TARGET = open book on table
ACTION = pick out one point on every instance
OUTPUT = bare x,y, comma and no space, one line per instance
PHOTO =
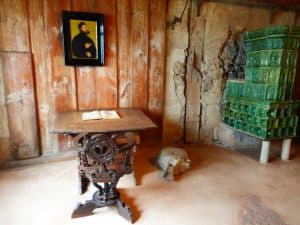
100,115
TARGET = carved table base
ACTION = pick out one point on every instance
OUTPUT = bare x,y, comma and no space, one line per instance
89,206
103,159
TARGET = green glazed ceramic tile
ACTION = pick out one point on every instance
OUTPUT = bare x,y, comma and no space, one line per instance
262,119
272,58
273,31
261,105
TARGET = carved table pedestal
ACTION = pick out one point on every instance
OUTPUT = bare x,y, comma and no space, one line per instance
105,150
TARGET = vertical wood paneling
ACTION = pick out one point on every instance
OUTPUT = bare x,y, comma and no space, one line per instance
86,88
61,80
86,76
97,87
5,155
14,26
134,59
297,18
156,59
124,53
37,39
107,77
139,52
19,93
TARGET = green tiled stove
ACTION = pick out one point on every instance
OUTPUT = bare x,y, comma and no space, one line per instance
262,105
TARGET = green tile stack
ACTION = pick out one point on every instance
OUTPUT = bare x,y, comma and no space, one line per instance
262,105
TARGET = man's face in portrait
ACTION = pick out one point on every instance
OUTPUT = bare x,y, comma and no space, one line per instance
84,29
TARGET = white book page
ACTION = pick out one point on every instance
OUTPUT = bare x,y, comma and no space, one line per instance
109,114
93,115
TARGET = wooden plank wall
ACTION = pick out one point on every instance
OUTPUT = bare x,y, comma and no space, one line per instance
14,26
97,86
20,101
132,75
156,62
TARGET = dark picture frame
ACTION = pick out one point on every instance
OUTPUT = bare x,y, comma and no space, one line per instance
83,38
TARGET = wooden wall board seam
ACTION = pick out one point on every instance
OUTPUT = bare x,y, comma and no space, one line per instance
36,16
140,41
124,50
156,55
20,99
15,51
13,26
39,135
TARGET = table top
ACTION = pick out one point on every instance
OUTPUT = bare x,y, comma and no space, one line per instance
131,119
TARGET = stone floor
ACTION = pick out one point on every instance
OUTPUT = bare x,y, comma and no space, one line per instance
221,188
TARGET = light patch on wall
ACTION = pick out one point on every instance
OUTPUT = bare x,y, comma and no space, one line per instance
4,131
17,96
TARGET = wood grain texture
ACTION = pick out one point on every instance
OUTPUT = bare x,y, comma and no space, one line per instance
107,77
124,53
5,154
97,86
20,100
130,120
86,75
38,39
156,60
283,17
14,26
61,79
139,52
297,18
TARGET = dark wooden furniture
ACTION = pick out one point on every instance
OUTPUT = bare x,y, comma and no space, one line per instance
105,154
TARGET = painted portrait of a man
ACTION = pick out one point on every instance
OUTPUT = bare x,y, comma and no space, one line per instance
83,36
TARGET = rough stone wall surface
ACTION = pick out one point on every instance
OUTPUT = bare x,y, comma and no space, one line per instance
220,19
177,44
233,56
194,76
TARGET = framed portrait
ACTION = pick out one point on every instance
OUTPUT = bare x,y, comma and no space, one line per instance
83,38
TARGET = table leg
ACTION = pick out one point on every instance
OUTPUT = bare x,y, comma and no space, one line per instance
285,151
102,161
264,153
105,196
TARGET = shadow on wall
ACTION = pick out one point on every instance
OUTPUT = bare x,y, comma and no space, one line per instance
233,55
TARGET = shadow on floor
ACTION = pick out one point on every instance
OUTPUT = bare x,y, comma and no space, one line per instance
142,165
275,151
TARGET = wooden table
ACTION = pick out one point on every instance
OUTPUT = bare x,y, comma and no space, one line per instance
105,154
